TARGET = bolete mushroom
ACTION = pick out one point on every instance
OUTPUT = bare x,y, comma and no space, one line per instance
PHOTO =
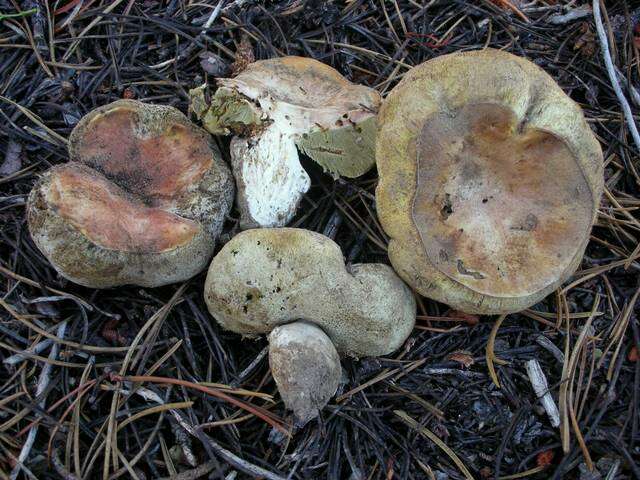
305,366
141,201
490,180
263,278
275,105
294,284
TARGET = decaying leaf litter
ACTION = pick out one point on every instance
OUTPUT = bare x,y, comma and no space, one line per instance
146,377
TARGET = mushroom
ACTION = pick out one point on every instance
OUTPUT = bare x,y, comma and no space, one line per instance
294,284
141,201
275,105
263,278
305,366
490,180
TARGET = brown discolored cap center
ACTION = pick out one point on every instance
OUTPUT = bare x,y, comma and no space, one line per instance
499,208
149,157
110,216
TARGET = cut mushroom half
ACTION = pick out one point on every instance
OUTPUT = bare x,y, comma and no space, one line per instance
275,108
142,200
490,180
305,366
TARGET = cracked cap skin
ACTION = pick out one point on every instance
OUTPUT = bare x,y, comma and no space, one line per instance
490,180
141,201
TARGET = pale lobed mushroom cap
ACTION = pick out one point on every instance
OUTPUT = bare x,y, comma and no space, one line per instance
305,366
263,278
142,200
275,105
490,180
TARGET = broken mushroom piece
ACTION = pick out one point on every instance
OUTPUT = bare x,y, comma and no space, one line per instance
490,180
305,366
275,105
142,200
263,278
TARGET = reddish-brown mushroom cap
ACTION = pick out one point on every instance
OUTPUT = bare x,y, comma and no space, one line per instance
490,180
87,200
142,200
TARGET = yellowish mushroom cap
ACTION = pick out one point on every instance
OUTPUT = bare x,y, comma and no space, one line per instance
490,180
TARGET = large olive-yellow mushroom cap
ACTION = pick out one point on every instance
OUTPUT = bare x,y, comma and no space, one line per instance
490,180
276,105
263,278
141,201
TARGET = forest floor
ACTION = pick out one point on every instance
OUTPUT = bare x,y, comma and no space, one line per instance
60,59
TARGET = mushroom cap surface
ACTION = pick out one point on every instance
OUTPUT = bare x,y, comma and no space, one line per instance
263,278
275,107
141,201
305,366
490,180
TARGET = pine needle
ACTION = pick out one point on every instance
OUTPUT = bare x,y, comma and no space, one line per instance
490,355
425,432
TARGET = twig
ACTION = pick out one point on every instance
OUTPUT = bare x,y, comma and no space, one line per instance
541,387
613,77
19,357
226,455
43,383
548,345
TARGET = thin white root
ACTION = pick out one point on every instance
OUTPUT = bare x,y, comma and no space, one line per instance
541,388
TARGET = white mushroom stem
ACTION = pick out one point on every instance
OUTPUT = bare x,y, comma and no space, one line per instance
541,389
270,179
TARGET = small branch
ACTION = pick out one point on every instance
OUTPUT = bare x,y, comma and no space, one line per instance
43,383
36,349
541,388
226,455
613,77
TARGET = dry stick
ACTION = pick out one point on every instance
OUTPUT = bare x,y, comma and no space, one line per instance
43,383
613,77
541,388
28,281
225,454
56,405
79,346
